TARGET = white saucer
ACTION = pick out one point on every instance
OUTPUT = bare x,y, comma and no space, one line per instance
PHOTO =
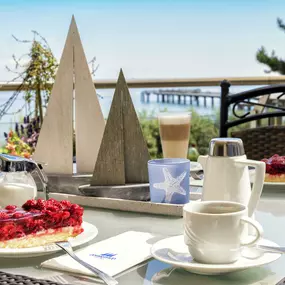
195,166
173,251
89,233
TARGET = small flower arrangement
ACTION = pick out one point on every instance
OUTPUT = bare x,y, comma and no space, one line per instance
16,146
23,140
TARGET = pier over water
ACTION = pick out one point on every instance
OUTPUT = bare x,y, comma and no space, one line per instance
179,96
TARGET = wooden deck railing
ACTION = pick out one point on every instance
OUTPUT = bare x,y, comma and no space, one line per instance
175,82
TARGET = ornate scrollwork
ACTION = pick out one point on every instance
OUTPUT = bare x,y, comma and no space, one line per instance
280,95
275,108
250,103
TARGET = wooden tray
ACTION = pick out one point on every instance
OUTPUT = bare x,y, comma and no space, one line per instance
128,205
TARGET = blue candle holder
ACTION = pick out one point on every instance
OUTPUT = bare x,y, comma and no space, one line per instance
169,180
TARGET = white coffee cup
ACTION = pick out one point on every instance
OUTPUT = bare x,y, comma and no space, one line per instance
213,230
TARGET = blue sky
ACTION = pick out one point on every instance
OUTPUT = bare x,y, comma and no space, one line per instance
151,39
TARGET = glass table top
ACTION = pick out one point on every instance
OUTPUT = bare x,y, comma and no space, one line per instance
270,213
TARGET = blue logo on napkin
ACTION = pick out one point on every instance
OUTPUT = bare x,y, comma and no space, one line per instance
111,256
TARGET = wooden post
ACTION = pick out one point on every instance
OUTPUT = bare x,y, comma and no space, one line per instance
197,100
142,96
147,97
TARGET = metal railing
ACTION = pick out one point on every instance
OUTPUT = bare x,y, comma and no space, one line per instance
174,82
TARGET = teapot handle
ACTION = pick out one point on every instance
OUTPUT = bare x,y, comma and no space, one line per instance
257,184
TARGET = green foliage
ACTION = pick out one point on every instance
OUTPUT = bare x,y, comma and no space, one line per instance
150,129
40,73
203,129
274,63
37,70
231,118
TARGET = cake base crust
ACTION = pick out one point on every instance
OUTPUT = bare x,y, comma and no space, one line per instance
42,238
274,177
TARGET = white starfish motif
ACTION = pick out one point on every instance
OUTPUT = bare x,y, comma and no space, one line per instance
171,185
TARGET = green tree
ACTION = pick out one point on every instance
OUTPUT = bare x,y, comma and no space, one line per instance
273,62
36,70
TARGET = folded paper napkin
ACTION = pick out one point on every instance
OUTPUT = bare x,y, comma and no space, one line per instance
113,255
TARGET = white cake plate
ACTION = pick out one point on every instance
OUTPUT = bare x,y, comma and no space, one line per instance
89,233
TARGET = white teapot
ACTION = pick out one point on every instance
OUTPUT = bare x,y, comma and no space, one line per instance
226,174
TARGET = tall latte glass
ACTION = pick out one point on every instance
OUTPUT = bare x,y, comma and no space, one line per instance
174,131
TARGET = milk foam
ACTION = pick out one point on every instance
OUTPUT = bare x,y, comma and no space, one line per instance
177,119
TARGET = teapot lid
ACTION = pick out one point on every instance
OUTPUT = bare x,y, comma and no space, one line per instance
227,147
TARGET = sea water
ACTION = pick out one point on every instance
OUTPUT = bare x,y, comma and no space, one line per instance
105,97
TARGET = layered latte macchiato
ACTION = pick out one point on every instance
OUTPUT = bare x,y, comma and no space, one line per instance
174,132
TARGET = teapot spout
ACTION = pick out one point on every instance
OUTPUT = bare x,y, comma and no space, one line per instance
202,159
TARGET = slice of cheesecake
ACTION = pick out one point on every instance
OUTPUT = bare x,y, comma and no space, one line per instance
39,222
275,168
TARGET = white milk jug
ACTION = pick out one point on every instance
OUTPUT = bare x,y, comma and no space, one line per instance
226,174
17,185
16,188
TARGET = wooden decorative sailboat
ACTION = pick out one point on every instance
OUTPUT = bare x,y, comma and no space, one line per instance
121,167
73,84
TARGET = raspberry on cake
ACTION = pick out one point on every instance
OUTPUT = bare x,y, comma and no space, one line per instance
39,222
275,168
